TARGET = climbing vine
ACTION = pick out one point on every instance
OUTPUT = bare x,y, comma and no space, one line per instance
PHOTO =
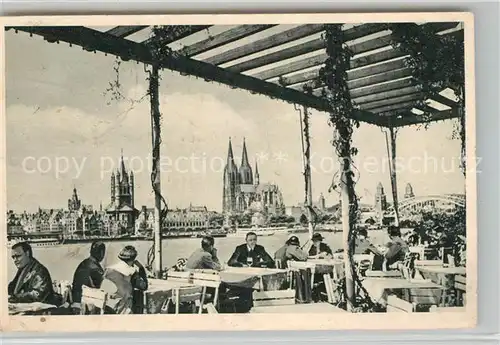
334,76
437,62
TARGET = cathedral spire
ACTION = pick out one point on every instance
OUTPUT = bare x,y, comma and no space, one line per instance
230,156
122,165
257,177
246,175
244,155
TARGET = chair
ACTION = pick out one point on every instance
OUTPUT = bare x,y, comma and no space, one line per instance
183,295
63,287
92,297
211,309
461,288
273,298
396,304
428,263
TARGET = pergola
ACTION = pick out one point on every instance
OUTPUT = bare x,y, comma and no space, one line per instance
277,65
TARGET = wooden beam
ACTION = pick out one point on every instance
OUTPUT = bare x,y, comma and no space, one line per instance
409,118
378,88
390,101
186,30
394,107
321,58
266,43
444,100
385,95
124,31
380,78
311,46
351,74
223,38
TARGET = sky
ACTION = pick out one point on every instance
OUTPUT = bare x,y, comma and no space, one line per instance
65,131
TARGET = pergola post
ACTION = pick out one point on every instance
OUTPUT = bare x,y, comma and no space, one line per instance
156,175
306,152
391,152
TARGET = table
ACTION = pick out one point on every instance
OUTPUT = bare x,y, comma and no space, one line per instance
158,292
34,308
444,276
310,308
380,288
384,274
257,278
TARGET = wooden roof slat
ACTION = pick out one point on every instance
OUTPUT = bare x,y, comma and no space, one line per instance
266,43
352,75
444,100
379,78
375,89
320,59
394,107
410,118
124,31
390,101
386,95
311,46
226,37
187,30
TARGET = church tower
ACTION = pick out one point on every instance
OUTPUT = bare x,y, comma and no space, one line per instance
380,198
246,175
257,177
230,183
409,191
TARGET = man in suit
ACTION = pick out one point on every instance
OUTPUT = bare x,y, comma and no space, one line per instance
32,282
89,272
251,254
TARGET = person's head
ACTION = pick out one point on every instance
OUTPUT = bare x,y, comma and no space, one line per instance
98,250
207,243
251,239
362,234
22,254
317,239
128,255
293,241
394,231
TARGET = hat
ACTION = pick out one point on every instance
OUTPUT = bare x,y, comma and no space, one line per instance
294,240
317,237
128,253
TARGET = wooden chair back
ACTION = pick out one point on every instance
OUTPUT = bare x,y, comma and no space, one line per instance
211,309
461,288
92,298
63,287
206,280
191,294
273,298
396,304
428,263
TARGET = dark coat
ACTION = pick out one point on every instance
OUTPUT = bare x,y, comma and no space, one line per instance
140,284
32,284
323,248
89,273
260,257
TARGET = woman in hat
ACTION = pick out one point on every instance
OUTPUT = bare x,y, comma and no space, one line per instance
319,250
121,279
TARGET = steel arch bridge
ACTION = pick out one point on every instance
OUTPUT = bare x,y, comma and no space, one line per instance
446,201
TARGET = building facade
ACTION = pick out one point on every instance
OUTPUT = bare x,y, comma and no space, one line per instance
380,199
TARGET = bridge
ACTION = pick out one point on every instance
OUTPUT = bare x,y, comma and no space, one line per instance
446,202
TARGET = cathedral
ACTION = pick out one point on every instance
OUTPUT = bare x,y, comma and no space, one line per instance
121,209
243,192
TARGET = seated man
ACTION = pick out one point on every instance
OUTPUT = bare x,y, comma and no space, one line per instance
204,257
290,251
89,272
32,282
320,250
396,248
250,254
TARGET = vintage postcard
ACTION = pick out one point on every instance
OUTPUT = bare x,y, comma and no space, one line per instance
207,172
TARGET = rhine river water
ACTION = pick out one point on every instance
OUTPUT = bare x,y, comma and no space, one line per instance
62,260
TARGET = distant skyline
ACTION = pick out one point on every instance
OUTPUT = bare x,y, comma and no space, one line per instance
56,107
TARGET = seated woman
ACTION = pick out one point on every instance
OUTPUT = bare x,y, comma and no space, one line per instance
120,280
